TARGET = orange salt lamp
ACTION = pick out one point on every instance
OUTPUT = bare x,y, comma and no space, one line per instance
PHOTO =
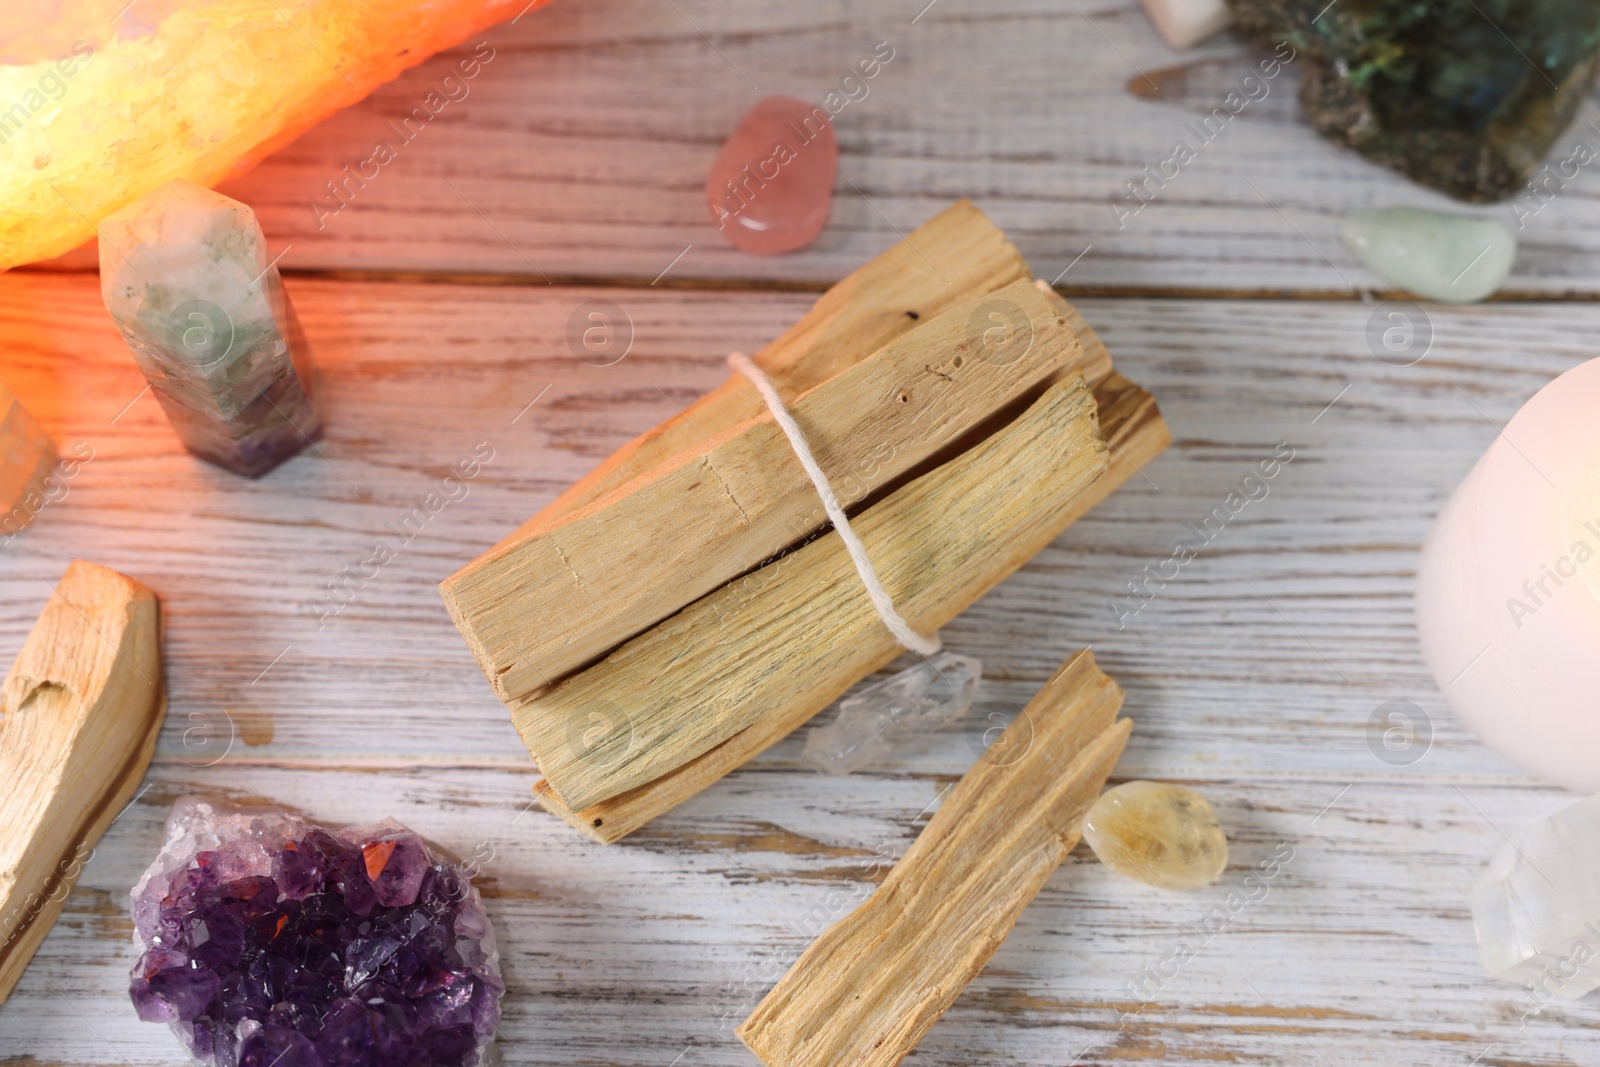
103,101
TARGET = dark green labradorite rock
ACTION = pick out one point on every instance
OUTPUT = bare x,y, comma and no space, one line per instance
1465,96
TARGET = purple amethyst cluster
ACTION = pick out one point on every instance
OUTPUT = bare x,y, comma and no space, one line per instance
269,942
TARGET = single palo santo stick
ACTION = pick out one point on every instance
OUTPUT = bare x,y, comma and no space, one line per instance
866,991
1134,429
81,708
950,259
536,610
804,633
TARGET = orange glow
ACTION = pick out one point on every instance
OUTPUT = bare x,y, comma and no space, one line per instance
27,456
102,101
377,854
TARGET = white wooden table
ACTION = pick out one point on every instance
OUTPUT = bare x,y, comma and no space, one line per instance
437,303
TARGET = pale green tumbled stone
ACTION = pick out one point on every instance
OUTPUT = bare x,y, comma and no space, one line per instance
1454,259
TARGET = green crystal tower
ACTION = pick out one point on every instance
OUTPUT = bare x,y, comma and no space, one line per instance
185,275
1465,96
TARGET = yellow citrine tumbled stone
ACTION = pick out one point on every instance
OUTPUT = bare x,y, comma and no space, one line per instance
1166,835
103,101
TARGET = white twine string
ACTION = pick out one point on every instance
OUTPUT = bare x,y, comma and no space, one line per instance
858,552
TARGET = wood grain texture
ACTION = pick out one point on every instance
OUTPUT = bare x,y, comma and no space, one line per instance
732,501
1134,435
803,631
1253,677
80,710
568,157
949,259
867,990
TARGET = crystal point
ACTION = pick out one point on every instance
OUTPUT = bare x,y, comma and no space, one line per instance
771,185
884,714
1451,258
187,278
1165,835
1536,909
347,968
27,456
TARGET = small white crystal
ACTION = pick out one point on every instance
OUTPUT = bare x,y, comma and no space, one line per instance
1185,23
1537,908
887,713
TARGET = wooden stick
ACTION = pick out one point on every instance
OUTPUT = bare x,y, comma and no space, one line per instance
1136,433
867,990
82,706
805,631
535,610
953,257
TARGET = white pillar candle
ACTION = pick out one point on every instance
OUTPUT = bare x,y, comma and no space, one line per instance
1508,589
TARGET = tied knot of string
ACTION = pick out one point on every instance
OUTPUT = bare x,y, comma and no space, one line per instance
881,600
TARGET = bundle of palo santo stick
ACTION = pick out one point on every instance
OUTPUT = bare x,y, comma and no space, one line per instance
682,608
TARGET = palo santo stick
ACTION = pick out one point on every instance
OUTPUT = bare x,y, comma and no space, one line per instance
635,556
806,632
81,706
866,991
1134,429
950,259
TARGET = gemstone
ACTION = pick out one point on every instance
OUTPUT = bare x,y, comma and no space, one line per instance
771,185
1166,835
888,713
1452,258
265,940
1464,96
187,279
105,105
1185,23
27,456
1536,909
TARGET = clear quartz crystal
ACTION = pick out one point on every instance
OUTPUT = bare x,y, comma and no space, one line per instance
1537,908
27,456
187,278
890,712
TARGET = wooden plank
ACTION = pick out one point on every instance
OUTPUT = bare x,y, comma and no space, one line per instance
1253,676
796,638
869,988
1360,949
1332,548
566,159
739,498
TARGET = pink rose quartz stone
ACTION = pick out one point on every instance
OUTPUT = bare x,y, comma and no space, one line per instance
771,185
